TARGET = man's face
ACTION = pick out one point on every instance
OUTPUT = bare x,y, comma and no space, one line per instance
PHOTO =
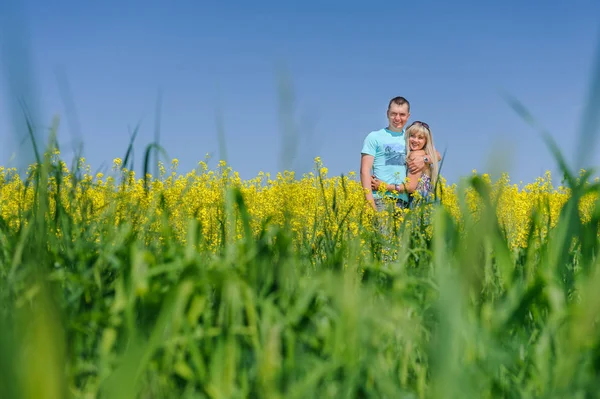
397,116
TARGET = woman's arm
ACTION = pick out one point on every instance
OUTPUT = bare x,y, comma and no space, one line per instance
410,187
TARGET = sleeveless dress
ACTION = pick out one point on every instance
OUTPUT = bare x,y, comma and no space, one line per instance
424,188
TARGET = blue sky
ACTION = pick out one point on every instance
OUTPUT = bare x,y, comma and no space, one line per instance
320,71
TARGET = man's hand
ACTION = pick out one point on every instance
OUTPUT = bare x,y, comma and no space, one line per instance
372,203
416,163
375,183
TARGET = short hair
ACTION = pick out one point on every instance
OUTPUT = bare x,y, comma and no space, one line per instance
399,101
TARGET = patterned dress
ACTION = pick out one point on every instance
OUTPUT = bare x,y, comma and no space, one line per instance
424,188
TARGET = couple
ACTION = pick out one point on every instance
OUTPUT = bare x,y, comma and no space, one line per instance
394,154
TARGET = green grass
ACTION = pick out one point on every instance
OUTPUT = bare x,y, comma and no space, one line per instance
135,315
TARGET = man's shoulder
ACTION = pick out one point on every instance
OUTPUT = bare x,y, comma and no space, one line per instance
373,141
376,133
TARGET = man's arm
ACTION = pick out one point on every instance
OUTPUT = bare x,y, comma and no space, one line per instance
366,164
416,163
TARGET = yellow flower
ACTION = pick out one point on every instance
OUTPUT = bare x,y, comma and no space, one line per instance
306,201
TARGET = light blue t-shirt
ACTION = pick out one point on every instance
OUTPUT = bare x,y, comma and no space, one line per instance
389,165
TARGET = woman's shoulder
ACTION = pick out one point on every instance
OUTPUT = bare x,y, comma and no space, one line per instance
417,153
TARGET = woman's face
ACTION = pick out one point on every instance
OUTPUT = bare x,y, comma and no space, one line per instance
417,141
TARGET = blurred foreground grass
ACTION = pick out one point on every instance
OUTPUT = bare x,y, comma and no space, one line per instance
207,286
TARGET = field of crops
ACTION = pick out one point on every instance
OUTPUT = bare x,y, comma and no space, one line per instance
204,285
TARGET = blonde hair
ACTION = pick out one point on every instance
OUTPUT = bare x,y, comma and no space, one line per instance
419,127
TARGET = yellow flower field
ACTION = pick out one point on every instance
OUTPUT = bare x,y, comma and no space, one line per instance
310,202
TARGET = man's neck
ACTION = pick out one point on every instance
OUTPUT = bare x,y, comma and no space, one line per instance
391,129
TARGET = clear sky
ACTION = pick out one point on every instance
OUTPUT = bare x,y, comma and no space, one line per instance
291,80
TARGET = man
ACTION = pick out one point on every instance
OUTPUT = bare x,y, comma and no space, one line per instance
384,153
